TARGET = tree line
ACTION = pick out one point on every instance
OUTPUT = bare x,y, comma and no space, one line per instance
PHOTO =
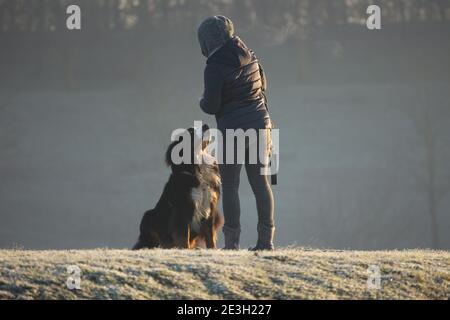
299,15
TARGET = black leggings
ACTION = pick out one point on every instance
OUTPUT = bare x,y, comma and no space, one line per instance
230,174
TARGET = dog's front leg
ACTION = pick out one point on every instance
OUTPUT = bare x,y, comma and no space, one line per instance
210,234
181,238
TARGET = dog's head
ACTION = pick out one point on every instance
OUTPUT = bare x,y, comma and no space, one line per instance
195,140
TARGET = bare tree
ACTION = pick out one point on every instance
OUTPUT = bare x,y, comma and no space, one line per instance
430,115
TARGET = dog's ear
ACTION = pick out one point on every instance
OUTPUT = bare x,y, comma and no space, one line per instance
169,161
191,136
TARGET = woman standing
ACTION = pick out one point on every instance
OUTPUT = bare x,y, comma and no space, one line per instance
234,92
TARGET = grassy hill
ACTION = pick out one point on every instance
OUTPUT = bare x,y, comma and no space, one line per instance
206,274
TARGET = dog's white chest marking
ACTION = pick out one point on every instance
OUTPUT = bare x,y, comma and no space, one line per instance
201,197
204,195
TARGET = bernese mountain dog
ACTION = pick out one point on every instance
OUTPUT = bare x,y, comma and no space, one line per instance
186,215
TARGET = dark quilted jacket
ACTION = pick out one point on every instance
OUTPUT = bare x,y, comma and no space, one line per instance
234,87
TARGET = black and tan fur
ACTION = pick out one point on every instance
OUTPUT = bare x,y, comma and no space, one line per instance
186,215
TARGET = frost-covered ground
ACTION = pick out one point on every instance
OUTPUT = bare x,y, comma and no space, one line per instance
214,274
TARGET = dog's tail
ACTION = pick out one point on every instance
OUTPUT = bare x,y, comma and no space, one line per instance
137,246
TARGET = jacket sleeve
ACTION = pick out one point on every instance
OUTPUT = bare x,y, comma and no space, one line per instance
212,94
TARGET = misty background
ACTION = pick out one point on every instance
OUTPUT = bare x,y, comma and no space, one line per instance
364,118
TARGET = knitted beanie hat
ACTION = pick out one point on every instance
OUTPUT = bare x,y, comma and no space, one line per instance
213,32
